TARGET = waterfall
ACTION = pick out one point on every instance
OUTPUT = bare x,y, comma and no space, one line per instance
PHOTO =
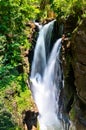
38,25
47,80
40,54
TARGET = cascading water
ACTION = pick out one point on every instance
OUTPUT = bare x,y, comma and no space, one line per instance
40,54
46,80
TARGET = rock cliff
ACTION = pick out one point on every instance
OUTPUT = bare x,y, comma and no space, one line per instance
74,67
74,64
78,49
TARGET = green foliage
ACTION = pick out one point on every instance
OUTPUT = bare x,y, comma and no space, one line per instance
14,95
24,101
63,8
6,120
72,114
13,89
13,15
13,101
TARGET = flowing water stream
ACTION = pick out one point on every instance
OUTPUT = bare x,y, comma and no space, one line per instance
47,80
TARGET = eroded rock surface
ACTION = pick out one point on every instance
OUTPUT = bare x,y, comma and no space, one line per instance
78,44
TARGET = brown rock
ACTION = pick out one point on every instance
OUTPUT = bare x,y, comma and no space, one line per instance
78,45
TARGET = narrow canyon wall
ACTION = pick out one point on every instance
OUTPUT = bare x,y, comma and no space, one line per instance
74,64
78,49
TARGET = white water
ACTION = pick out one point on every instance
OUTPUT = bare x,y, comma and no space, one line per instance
39,60
46,78
38,25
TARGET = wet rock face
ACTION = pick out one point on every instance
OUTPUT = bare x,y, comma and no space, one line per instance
30,119
78,44
79,60
70,23
74,68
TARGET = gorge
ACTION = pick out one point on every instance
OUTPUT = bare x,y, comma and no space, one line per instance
55,32
74,99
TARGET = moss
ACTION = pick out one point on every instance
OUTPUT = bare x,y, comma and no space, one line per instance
6,121
72,114
38,127
15,98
